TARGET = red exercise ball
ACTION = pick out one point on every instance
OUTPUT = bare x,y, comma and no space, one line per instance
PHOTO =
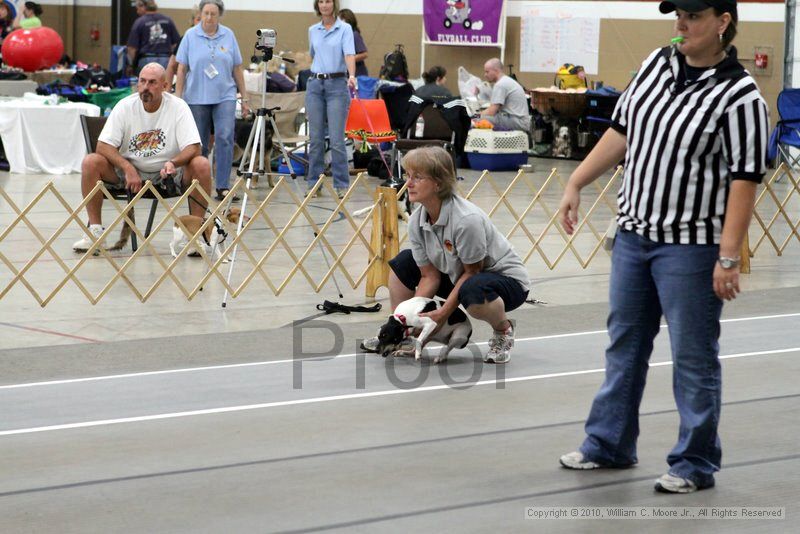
33,49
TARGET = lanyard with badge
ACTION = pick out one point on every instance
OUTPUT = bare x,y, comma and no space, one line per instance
210,70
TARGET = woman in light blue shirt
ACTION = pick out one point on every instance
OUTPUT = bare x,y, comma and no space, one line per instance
327,94
209,73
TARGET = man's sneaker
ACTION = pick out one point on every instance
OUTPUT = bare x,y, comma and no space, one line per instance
85,244
576,460
371,345
669,483
317,194
340,191
500,345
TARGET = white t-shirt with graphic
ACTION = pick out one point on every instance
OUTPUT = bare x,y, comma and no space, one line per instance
149,140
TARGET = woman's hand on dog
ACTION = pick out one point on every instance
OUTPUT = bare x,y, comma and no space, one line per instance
439,315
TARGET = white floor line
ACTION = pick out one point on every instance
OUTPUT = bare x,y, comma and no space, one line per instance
315,400
325,358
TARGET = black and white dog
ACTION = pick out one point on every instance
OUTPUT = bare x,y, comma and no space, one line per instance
406,319
562,144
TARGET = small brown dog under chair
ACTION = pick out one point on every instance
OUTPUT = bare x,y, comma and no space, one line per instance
213,236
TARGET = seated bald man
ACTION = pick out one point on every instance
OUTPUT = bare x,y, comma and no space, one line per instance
508,107
150,135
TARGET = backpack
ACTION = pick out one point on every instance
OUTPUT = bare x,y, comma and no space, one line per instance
377,168
395,66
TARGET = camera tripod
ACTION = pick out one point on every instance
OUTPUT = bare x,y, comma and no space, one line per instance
256,148
256,145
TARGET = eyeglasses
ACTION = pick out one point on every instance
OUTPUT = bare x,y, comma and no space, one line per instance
417,177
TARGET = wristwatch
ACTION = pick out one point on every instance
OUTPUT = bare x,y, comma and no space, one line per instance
728,263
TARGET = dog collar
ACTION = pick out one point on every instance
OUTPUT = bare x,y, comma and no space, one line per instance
402,319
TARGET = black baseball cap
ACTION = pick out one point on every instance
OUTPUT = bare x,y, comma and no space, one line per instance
693,6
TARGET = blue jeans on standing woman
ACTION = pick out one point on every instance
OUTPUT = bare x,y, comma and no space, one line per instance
327,105
223,116
648,279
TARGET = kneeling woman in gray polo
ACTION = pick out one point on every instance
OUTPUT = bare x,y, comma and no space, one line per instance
456,253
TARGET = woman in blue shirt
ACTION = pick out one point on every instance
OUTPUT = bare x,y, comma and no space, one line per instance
327,94
349,17
209,73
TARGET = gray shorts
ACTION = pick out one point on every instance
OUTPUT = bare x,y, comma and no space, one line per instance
510,122
155,178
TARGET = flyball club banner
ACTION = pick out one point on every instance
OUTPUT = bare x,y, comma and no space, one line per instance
462,22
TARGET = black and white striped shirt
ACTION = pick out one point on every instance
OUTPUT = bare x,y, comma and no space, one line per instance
686,140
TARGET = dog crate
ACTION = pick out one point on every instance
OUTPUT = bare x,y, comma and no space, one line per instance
496,151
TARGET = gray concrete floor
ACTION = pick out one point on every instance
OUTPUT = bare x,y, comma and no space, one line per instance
176,416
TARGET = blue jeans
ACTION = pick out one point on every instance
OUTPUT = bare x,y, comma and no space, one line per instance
648,278
327,105
223,116
161,60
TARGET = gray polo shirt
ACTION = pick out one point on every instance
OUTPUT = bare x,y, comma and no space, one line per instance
463,234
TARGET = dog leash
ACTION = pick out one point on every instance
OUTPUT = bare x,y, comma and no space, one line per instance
334,307
354,95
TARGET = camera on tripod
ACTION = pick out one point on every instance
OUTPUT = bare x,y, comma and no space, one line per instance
267,38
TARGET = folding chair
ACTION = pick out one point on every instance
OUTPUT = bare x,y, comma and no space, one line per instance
435,132
92,127
396,97
787,132
368,121
288,120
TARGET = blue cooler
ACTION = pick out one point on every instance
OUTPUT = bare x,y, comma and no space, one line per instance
298,167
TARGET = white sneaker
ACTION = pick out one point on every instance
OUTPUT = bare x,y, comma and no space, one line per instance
669,483
576,460
500,345
371,344
340,192
85,244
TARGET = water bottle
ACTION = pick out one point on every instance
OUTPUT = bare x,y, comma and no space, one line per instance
282,68
420,128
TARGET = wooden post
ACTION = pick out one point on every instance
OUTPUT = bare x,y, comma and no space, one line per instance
384,239
744,266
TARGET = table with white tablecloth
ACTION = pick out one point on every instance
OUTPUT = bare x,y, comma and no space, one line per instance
42,138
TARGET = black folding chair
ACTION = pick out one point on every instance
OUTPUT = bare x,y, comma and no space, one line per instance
436,132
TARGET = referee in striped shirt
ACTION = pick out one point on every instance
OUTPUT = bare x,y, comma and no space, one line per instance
692,127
